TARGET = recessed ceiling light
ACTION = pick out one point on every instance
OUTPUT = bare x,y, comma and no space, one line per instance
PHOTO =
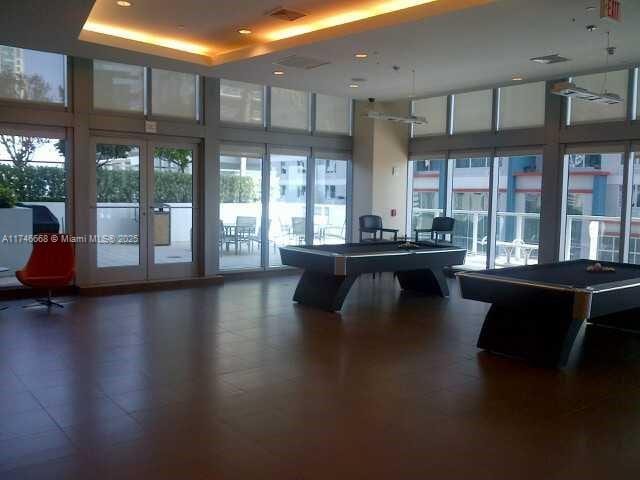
278,72
354,85
591,28
517,78
245,31
123,3
361,55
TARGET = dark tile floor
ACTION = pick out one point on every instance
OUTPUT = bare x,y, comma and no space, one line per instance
237,382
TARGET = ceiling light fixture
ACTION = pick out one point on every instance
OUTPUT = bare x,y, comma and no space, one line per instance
517,78
245,31
278,73
354,85
361,55
149,38
123,3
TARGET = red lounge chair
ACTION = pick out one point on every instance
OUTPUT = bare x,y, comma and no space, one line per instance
51,265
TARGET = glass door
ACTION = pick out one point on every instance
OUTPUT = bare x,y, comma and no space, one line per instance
172,213
144,215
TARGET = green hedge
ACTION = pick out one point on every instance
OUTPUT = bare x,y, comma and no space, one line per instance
47,184
35,184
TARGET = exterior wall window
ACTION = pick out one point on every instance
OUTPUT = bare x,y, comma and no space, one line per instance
174,94
333,114
470,209
426,197
32,76
591,112
472,111
241,102
518,210
32,172
289,109
118,87
521,106
593,205
435,111
330,212
240,207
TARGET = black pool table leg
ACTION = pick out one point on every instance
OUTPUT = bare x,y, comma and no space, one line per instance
424,281
543,337
323,290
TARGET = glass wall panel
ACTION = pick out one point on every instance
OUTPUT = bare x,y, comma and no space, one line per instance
634,233
289,109
518,210
32,173
32,76
435,110
522,106
594,205
241,102
470,208
172,214
118,204
333,114
472,111
174,94
287,202
427,179
118,87
240,239
330,208
589,112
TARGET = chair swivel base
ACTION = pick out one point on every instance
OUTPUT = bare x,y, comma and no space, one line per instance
44,302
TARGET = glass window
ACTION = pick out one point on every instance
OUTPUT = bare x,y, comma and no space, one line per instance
594,206
518,210
32,172
583,111
241,102
522,106
287,202
472,111
174,94
470,210
634,237
289,109
428,189
118,87
333,114
240,239
32,76
435,111
330,209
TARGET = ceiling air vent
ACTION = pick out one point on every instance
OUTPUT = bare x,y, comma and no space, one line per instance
286,14
549,59
304,63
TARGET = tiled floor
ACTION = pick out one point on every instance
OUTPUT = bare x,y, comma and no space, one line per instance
236,382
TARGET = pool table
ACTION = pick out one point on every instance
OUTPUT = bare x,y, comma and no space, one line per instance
330,270
537,311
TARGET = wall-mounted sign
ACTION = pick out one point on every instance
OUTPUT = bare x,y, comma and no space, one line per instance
150,127
611,10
